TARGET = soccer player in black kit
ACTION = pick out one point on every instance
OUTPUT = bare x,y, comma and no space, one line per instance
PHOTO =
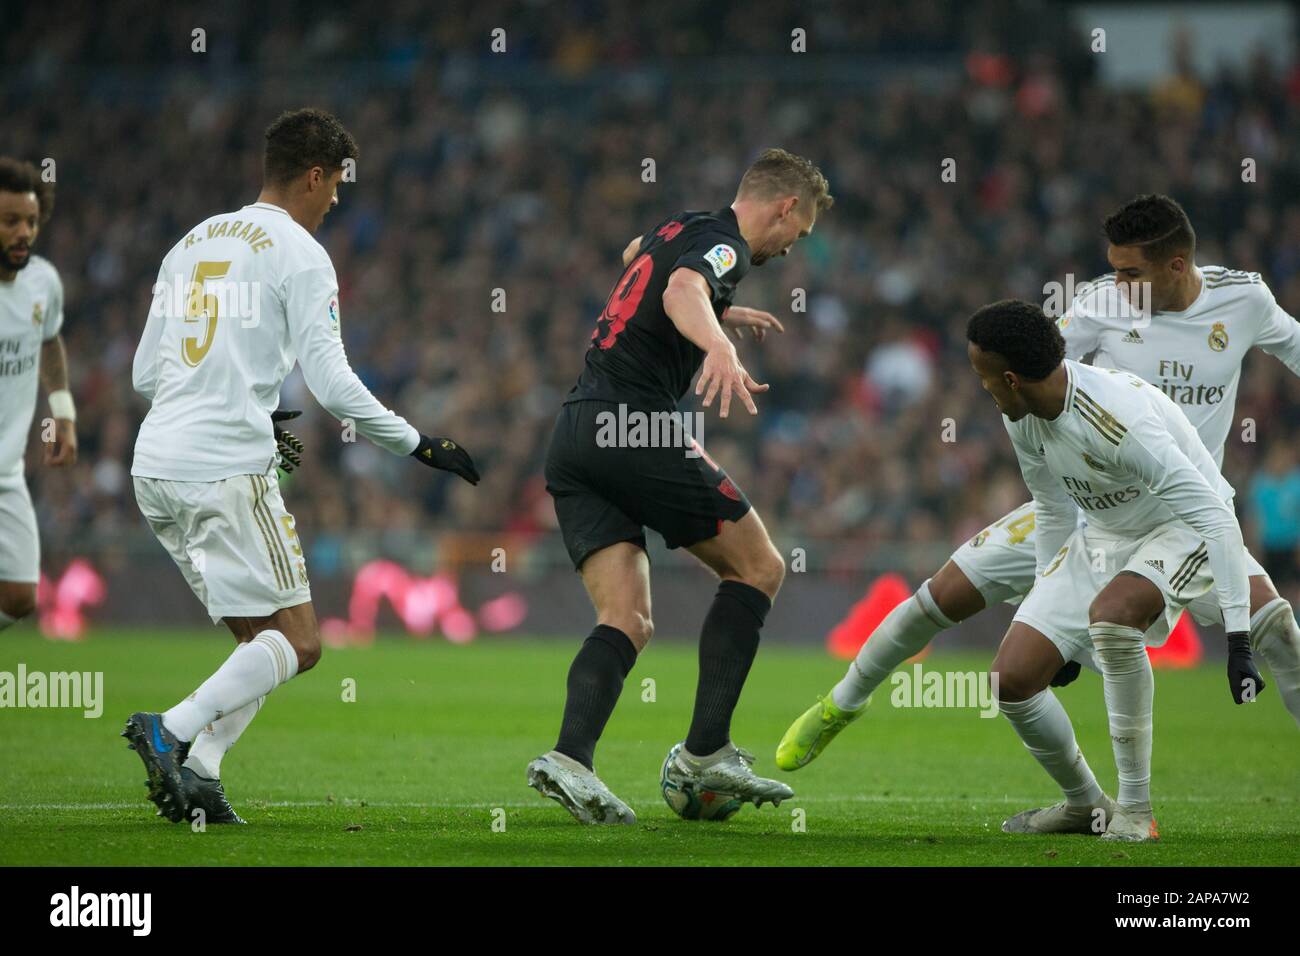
668,317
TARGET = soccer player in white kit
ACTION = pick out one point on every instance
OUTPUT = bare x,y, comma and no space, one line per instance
1160,534
31,350
239,299
1194,330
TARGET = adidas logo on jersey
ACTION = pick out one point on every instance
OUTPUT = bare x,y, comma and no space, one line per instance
1132,337
1158,565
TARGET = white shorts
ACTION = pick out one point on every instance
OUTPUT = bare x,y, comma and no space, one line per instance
20,545
1000,560
1172,557
233,541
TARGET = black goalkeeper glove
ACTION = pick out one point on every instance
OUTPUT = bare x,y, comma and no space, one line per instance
446,454
1066,675
286,442
1243,676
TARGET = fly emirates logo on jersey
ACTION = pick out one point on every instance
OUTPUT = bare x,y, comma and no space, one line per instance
1174,378
1090,495
13,361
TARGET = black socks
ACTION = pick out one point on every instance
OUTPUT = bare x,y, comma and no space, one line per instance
728,643
595,681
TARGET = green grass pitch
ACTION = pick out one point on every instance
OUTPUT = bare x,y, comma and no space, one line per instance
439,735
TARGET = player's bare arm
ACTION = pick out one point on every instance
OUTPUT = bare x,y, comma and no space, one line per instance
54,379
629,253
687,304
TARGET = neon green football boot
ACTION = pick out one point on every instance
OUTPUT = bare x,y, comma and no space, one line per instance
812,733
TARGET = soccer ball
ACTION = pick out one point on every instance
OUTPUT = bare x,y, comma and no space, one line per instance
687,800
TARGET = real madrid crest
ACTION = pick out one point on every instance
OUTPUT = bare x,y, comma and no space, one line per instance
1218,337
36,313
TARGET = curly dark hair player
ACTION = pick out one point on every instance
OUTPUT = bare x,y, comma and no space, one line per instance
32,354
1134,523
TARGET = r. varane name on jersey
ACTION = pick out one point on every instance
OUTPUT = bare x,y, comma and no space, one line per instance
238,300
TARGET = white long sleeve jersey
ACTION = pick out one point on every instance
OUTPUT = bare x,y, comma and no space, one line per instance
1193,356
242,297
1127,457
31,314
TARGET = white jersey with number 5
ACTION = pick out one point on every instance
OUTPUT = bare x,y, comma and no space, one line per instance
1193,356
238,300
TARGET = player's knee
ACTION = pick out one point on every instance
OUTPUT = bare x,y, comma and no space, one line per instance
1262,593
954,595
1118,609
17,602
767,571
308,649
1013,686
637,625
308,658
645,629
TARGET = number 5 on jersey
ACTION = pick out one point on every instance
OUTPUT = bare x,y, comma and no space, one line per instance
201,305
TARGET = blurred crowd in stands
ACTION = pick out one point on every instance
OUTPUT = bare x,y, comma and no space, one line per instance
522,171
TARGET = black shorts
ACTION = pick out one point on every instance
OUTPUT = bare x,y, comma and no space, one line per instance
604,495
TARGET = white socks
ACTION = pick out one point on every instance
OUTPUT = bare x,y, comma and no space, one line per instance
1276,639
1045,728
904,633
217,737
1129,689
252,671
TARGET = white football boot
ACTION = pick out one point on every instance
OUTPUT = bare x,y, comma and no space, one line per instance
1132,825
1064,818
727,771
577,789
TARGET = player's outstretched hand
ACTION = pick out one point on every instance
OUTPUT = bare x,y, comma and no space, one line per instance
1243,676
286,442
739,317
722,372
446,454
